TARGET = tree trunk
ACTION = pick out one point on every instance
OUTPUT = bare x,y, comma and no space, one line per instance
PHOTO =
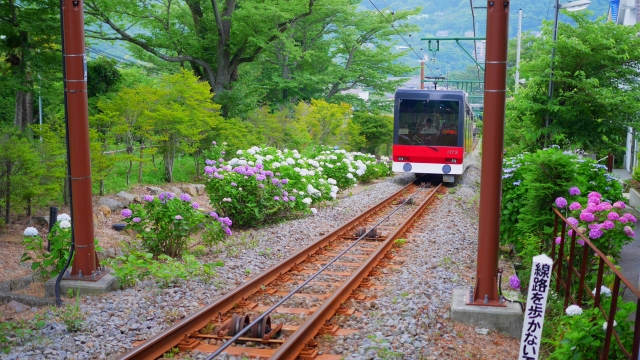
102,187
169,156
7,207
24,110
129,171
29,207
140,164
196,159
65,191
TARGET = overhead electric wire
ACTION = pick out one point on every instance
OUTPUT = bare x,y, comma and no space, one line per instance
402,37
475,45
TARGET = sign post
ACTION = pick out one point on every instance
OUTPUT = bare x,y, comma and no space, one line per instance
536,304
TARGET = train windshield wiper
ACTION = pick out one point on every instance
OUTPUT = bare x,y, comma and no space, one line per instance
432,147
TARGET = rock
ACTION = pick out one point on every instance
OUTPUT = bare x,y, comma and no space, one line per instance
189,189
95,221
104,210
154,190
112,204
175,190
482,331
127,198
200,188
16,306
39,220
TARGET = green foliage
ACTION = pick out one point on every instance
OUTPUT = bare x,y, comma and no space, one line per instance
71,315
165,224
48,264
377,131
102,76
138,266
532,182
595,70
581,336
13,332
530,246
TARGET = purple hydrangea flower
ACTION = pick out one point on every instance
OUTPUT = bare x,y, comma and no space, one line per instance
613,216
573,221
594,226
213,214
581,242
570,232
233,184
224,152
574,191
213,143
275,181
136,219
285,199
608,225
587,216
558,240
514,282
619,205
195,205
226,221
185,197
166,196
276,198
292,198
209,170
126,213
148,198
285,181
596,233
575,206
178,217
561,202
228,231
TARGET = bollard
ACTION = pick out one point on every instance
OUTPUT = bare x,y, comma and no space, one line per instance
53,214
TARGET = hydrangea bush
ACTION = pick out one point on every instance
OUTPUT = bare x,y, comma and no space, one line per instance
532,181
265,184
165,224
606,224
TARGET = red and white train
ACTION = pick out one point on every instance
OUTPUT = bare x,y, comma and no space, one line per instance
432,133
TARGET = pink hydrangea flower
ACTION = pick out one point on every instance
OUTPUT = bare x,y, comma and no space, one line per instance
613,216
575,206
608,225
586,216
629,231
558,240
594,195
178,217
623,220
606,206
630,217
573,221
619,205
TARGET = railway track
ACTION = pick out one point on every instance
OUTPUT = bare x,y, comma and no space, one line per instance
278,313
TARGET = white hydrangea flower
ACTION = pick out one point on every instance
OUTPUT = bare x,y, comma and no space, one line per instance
294,151
239,152
242,162
258,161
311,173
304,172
62,217
301,193
64,224
290,161
350,176
335,189
300,161
330,166
251,151
346,161
30,231
314,211
233,161
297,156
307,200
251,163
604,326
574,310
333,195
269,157
275,165
321,181
332,181
604,291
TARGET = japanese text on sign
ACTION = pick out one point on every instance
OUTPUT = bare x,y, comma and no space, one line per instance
536,304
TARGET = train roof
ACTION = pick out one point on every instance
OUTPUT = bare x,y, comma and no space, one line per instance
429,94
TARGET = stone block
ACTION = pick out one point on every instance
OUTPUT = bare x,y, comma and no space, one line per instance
39,221
112,204
634,199
154,190
104,210
127,198
507,320
189,189
106,284
200,188
175,190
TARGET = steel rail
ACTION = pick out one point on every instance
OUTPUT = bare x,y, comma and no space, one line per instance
296,342
166,340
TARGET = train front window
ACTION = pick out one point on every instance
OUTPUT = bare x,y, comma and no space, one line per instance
434,123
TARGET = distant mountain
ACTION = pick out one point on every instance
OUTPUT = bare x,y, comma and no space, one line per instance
454,19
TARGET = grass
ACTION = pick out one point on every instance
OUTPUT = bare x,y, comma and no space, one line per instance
183,171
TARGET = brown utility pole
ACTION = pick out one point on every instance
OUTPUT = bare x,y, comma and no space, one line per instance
495,79
422,75
76,104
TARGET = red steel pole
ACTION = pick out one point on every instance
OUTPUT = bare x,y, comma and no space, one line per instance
495,79
75,87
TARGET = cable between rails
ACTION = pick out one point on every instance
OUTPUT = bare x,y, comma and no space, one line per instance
294,291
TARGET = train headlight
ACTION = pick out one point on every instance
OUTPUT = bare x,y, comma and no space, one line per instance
407,167
446,169
403,158
453,161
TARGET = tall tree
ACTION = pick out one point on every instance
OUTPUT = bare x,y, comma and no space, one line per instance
30,51
213,37
596,89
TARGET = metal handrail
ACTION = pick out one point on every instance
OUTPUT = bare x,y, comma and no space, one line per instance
615,293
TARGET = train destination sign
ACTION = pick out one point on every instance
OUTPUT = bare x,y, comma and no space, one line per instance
536,305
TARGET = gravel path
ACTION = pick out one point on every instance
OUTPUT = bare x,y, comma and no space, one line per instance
117,319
